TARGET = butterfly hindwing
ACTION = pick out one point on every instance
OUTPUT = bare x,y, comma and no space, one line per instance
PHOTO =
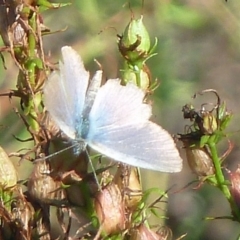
119,128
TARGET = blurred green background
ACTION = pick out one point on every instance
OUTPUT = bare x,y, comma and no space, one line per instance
198,48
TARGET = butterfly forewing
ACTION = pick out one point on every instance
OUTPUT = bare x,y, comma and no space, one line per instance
111,104
65,92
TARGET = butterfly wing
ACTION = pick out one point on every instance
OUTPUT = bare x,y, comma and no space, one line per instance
120,129
65,92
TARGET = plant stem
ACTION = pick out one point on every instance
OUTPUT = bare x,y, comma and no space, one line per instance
221,179
32,71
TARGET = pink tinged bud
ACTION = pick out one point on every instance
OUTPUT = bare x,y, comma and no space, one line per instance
143,233
235,186
109,207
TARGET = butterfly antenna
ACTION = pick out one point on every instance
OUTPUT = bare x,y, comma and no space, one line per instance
54,154
93,170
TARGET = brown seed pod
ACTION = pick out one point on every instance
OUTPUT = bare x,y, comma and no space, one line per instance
199,158
43,187
128,180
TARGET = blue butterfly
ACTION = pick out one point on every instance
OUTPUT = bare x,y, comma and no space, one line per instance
112,119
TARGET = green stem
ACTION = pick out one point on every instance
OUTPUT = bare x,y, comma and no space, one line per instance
138,68
221,179
32,70
32,47
138,78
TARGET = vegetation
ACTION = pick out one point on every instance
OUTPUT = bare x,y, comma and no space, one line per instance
188,48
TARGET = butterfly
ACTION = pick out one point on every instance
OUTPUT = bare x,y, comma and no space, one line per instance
112,119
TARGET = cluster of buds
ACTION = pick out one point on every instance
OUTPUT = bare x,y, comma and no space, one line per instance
135,47
118,200
121,210
119,217
207,124
200,143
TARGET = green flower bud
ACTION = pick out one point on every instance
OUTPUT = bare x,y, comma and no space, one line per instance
139,77
8,174
134,44
224,116
209,123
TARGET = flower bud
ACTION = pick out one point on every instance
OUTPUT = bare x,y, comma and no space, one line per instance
134,44
209,123
199,158
139,77
235,186
224,116
143,232
8,175
128,180
109,207
22,212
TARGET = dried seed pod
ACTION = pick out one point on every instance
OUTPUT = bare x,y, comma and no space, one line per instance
128,180
22,212
204,121
7,18
209,123
109,207
43,187
199,158
11,30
